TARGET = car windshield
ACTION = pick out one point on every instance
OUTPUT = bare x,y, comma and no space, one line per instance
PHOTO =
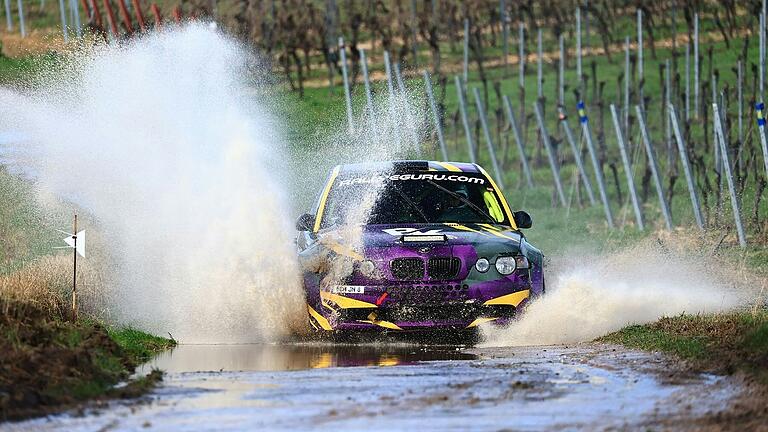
412,198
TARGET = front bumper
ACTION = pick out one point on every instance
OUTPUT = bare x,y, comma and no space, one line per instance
419,306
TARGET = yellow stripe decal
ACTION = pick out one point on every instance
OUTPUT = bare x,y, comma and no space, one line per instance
449,167
345,302
501,195
320,319
513,299
489,226
385,324
479,321
493,230
341,249
324,198
463,228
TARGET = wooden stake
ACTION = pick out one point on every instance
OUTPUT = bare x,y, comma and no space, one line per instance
627,168
158,17
521,54
654,167
464,120
587,133
539,65
347,95
139,15
518,140
111,19
8,17
488,140
505,34
686,166
22,26
126,16
720,137
550,154
367,83
466,51
579,69
409,123
640,67
696,71
435,115
561,72
576,155
63,13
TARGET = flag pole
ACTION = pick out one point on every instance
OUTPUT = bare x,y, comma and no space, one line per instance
74,272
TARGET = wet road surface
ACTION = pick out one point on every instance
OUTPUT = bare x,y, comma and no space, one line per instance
405,387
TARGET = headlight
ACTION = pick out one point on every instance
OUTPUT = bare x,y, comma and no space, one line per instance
522,262
506,265
482,265
367,268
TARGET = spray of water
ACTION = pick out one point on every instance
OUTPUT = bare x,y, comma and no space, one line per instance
590,296
167,143
168,146
393,129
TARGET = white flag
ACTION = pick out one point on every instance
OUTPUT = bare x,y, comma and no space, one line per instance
80,242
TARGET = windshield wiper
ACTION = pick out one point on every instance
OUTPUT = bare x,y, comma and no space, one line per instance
411,203
477,210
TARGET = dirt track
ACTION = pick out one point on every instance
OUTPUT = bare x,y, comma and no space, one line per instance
402,387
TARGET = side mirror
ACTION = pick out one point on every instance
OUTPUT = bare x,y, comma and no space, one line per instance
522,219
305,222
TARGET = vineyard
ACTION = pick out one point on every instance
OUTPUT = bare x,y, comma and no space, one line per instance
500,83
188,134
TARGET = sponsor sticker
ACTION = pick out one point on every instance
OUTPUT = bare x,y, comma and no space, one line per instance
376,179
397,232
348,289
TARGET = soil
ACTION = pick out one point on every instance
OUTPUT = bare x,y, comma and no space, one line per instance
49,364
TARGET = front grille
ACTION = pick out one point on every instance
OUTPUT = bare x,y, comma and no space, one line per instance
427,294
444,311
443,268
407,268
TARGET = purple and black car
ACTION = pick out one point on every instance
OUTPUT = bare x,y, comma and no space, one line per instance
415,245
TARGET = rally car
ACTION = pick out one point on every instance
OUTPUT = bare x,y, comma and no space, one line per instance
415,245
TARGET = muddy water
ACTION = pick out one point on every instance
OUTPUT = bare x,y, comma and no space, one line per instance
405,387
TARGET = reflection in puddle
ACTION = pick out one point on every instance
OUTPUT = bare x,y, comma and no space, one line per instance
258,357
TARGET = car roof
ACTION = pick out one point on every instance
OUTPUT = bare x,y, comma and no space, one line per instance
409,166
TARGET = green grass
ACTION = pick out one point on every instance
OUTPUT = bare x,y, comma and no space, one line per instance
138,345
651,339
734,341
21,224
13,68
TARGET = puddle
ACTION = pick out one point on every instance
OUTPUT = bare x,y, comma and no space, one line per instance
289,357
402,387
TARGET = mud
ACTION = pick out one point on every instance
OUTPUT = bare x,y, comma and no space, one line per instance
48,363
406,387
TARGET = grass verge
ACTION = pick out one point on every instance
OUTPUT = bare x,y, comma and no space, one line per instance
720,343
48,363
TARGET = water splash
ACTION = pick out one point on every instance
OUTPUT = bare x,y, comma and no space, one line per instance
165,142
589,296
393,129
